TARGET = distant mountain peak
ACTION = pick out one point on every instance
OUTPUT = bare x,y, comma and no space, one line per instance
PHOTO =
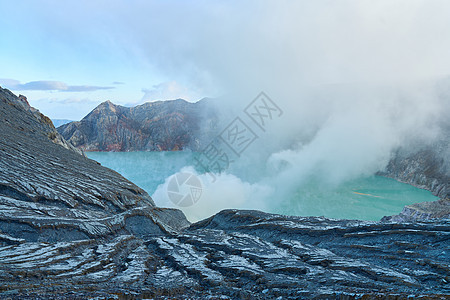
108,105
152,126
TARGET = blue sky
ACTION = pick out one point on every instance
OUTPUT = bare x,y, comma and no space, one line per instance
68,56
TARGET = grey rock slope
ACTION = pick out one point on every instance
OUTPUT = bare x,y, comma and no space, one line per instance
70,228
153,126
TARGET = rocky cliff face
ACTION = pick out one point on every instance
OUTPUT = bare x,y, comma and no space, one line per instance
153,126
428,167
72,228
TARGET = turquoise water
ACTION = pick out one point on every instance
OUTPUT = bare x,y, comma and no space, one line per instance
366,198
145,169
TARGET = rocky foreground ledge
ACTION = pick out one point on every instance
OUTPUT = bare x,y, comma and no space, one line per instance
241,254
70,228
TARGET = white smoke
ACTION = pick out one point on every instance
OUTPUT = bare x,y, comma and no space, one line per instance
223,191
353,135
355,79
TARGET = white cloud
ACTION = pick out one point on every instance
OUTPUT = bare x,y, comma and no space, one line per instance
47,85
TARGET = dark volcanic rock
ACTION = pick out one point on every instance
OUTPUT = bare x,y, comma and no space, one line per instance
153,126
70,228
243,254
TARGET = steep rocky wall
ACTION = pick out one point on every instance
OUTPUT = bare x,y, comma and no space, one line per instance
426,167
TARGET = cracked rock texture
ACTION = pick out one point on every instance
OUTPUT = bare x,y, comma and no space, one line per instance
70,228
241,254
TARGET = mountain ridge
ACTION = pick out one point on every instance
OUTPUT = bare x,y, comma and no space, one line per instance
153,126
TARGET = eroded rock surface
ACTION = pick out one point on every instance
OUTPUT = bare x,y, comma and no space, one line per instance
242,254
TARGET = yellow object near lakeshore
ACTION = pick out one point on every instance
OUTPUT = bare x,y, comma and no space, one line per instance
366,194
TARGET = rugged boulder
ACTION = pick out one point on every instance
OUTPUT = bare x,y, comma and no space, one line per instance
153,126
